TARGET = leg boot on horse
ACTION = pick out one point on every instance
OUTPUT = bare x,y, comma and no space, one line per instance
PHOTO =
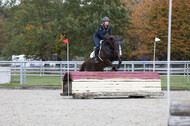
96,55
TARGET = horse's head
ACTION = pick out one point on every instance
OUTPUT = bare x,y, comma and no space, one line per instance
117,43
116,40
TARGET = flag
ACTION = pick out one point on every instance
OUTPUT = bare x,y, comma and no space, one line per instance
157,39
66,41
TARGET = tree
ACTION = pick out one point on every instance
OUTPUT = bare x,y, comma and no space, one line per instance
138,29
150,20
88,17
130,4
34,28
37,27
3,37
180,36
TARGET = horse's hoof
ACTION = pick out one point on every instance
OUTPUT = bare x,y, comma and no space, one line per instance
114,69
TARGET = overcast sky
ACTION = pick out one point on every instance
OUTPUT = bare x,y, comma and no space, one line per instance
18,1
9,0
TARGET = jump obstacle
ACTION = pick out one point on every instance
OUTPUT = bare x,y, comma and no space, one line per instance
88,85
179,113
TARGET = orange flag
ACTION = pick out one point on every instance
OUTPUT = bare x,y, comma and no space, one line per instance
66,41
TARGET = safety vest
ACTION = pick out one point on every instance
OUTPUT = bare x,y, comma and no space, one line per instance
104,29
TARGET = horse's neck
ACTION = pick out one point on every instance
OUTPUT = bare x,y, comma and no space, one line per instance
107,44
107,47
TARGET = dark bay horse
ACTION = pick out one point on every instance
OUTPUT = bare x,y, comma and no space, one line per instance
109,52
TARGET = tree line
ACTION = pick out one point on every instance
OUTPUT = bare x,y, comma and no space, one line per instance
36,28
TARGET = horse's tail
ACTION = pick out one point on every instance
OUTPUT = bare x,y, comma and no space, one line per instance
83,66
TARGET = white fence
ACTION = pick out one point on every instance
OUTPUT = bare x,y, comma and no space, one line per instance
58,68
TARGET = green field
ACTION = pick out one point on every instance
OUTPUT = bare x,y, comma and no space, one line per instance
176,82
2,58
35,81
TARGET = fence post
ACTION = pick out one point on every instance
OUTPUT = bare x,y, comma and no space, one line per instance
184,69
25,71
75,66
187,73
43,69
14,69
124,67
64,67
144,66
132,66
21,74
61,72
149,67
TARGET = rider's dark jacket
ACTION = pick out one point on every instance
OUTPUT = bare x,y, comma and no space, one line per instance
102,30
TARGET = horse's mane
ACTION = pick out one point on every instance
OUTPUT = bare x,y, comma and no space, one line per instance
109,39
112,37
110,45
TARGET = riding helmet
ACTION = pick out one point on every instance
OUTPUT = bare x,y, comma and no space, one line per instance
105,19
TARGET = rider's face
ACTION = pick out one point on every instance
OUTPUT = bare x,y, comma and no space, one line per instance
106,22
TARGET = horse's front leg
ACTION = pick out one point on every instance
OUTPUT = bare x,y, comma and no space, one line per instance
109,63
119,64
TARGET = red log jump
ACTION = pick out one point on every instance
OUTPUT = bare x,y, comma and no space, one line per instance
98,84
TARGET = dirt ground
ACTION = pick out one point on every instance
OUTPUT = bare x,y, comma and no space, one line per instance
48,108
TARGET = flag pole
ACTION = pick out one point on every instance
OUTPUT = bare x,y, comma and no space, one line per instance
68,66
168,61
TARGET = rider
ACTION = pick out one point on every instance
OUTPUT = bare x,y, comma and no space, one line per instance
100,35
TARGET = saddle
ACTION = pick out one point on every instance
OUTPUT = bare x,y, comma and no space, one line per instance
92,55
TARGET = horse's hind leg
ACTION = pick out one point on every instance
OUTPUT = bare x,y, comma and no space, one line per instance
83,66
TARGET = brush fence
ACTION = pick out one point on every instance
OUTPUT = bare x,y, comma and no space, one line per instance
179,113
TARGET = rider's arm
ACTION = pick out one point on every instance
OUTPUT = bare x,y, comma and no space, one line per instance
100,32
109,32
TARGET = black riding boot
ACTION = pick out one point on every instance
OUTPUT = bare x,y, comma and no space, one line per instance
96,56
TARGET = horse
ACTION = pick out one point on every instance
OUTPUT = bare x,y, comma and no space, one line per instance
110,50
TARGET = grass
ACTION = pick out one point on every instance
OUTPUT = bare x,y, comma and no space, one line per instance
2,58
176,82
34,81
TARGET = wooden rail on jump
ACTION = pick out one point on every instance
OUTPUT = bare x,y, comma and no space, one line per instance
179,113
112,84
